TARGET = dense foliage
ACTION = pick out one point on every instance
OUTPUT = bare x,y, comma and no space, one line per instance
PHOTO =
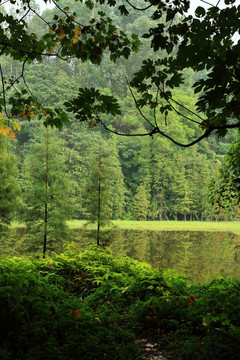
83,305
90,31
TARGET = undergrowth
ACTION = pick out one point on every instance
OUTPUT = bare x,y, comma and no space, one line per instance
92,305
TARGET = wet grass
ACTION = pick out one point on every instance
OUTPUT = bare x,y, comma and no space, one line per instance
229,226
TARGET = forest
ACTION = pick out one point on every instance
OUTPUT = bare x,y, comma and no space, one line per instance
133,143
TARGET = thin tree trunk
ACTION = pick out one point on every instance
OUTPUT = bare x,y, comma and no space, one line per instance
99,199
46,203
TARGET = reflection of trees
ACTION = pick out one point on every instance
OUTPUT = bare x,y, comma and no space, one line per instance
200,255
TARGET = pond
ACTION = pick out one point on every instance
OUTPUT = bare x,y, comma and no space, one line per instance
199,255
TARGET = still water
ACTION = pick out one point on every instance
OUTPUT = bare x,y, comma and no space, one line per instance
199,255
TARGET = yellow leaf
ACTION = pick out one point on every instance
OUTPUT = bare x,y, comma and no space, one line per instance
77,30
12,135
75,40
66,9
93,39
45,113
35,105
50,31
31,114
4,130
62,36
98,320
16,126
51,50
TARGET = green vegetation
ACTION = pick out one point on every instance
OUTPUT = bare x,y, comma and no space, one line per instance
82,305
229,226
91,305
172,43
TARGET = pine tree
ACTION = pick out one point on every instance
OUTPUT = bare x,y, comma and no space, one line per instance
47,188
9,186
104,191
141,202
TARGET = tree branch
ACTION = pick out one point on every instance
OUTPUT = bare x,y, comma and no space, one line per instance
137,106
142,9
3,92
184,107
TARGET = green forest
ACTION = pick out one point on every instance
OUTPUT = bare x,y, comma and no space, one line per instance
116,112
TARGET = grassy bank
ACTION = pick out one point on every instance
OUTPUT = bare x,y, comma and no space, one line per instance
229,226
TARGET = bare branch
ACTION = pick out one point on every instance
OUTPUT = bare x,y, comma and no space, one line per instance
4,2
17,79
184,107
36,13
137,106
116,132
33,53
141,9
66,14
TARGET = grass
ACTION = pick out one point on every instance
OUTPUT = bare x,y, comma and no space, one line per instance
229,226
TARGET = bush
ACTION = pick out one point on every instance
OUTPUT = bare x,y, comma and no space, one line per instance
92,305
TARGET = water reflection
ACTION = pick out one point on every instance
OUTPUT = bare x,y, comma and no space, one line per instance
199,255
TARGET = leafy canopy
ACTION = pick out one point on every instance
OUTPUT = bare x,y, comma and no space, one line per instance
206,43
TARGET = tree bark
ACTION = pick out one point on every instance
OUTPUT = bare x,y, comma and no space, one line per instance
46,203
99,199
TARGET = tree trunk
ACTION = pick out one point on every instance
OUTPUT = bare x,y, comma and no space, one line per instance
99,199
46,203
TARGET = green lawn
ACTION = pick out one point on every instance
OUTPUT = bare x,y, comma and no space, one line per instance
231,226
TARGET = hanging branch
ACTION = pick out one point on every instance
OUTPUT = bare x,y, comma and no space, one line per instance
16,80
66,14
137,106
142,9
184,107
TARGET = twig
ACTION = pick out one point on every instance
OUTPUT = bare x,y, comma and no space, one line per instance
3,92
141,9
137,106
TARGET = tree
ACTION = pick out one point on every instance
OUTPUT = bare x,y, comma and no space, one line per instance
204,43
141,203
46,192
225,189
9,186
104,191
